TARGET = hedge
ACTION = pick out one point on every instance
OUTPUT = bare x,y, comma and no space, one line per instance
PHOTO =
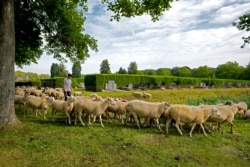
97,82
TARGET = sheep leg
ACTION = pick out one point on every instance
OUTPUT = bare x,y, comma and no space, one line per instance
80,118
44,114
190,133
231,123
100,118
68,117
127,116
167,124
158,124
136,120
108,117
146,122
54,115
177,125
203,129
219,127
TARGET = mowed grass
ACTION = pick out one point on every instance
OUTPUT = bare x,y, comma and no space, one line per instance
38,142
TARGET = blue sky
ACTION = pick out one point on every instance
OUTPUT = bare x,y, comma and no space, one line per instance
192,33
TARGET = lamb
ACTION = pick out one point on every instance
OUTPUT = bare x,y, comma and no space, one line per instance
189,114
119,108
148,110
137,94
146,95
62,106
91,107
36,103
227,114
247,114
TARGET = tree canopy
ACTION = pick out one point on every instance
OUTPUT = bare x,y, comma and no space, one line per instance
244,24
104,67
132,68
52,26
131,8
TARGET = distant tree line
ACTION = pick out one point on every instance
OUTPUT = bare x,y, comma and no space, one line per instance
229,70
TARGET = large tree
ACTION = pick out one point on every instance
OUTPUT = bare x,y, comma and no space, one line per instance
244,24
132,68
203,72
60,24
58,70
105,67
229,70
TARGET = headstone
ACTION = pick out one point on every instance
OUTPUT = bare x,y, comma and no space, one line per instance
110,85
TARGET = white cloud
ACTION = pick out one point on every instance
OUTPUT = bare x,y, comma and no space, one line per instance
192,33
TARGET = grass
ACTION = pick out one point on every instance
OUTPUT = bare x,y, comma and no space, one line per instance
38,142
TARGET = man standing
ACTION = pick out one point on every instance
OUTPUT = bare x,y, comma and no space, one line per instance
67,86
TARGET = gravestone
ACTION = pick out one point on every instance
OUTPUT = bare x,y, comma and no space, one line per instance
110,85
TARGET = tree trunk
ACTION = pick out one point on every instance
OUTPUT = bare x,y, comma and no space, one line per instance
7,60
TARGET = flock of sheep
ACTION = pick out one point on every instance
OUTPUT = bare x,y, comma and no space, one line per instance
95,106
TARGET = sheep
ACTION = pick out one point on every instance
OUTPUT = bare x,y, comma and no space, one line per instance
247,114
148,110
227,114
36,103
36,92
137,94
189,114
62,106
146,95
59,95
19,91
20,100
119,108
78,93
243,105
96,97
91,107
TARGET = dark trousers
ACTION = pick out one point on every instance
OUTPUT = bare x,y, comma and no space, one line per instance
66,94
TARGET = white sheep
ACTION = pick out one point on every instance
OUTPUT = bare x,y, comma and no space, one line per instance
119,108
62,106
137,94
189,114
19,91
96,97
20,100
36,103
247,114
243,105
227,114
78,93
148,110
89,106
146,95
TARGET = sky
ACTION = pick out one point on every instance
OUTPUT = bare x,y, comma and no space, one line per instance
192,33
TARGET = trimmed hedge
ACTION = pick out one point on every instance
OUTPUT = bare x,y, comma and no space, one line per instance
97,82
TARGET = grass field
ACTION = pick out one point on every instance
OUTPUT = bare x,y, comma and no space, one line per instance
37,142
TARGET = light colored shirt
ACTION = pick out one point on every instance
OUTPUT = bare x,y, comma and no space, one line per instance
67,84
